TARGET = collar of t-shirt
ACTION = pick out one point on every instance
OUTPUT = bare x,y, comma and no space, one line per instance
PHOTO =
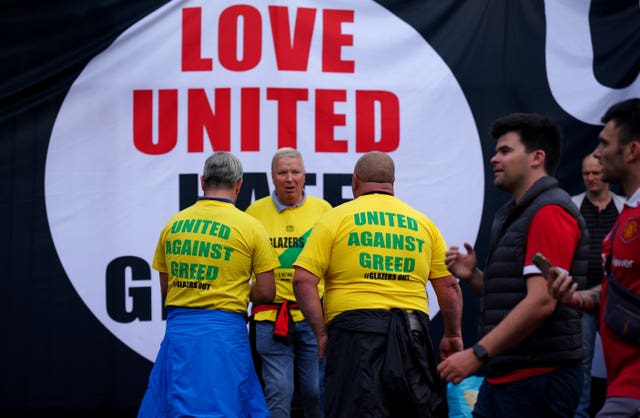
219,199
588,205
280,207
634,200
377,192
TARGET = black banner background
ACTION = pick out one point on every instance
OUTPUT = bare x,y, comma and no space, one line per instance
57,359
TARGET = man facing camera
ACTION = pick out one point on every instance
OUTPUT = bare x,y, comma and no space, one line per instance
283,338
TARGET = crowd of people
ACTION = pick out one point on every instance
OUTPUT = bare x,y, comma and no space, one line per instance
337,298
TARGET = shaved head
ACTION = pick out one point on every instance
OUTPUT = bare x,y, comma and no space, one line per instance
375,167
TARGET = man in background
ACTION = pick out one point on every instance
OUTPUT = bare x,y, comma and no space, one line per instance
599,208
376,254
283,338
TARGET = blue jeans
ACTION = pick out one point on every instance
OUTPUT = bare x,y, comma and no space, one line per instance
278,368
551,395
589,329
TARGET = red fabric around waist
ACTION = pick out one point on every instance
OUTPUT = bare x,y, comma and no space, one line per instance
281,325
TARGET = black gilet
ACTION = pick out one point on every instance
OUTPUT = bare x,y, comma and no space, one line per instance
558,340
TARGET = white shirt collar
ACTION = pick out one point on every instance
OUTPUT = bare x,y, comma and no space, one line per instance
634,200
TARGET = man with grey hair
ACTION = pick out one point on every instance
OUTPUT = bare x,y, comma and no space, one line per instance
376,254
283,338
222,170
205,256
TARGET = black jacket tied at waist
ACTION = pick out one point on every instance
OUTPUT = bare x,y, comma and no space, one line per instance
409,368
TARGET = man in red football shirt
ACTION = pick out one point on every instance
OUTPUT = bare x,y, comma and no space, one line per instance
619,153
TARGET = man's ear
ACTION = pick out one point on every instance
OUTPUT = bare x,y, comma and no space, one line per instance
202,183
355,183
538,158
632,152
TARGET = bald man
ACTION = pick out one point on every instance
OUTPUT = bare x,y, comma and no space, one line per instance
376,254
599,208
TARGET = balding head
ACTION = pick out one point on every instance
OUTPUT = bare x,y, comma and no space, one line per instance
375,167
592,178
374,173
590,159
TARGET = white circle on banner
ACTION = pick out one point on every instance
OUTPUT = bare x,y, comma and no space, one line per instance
107,199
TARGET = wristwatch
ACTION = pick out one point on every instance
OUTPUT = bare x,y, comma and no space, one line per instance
480,352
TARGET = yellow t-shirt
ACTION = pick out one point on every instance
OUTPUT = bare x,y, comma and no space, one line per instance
374,252
209,251
288,231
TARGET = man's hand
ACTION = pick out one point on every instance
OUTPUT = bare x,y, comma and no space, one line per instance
563,288
459,366
463,266
460,264
450,345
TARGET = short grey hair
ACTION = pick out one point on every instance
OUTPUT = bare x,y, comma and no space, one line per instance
375,167
286,152
222,169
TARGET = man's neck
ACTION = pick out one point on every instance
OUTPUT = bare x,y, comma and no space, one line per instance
374,187
221,194
281,205
632,182
526,184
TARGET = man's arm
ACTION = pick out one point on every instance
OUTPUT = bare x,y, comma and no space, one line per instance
263,290
305,288
523,319
164,283
589,300
476,280
449,297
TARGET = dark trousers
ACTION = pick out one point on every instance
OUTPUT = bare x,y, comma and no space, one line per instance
551,395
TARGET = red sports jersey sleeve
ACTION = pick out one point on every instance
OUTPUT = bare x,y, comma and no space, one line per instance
554,233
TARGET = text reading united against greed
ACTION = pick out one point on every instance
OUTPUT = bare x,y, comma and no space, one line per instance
198,248
386,240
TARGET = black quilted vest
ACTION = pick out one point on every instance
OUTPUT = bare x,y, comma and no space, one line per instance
558,340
